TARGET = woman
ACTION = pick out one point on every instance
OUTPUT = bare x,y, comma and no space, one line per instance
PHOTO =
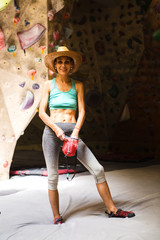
63,94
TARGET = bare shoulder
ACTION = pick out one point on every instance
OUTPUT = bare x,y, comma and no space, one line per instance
79,84
47,85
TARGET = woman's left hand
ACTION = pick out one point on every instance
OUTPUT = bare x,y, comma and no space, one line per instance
74,134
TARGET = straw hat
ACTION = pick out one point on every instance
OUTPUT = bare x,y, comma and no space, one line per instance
63,51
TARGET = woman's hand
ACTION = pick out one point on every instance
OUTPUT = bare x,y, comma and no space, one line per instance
75,133
60,133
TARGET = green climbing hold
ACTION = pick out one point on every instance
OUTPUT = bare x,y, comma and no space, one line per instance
113,92
156,35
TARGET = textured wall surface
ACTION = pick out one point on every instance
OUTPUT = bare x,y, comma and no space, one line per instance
111,40
20,92
120,70
141,133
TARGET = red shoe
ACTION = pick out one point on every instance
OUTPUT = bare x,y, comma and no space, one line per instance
121,214
58,220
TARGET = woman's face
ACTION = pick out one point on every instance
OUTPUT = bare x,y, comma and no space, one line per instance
63,65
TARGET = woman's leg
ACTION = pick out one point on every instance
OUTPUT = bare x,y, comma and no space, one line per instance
86,157
51,146
105,194
54,202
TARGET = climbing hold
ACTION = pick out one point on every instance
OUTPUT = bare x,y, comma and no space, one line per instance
56,35
26,23
16,6
28,101
43,76
42,48
108,37
137,40
5,164
22,84
129,22
56,47
51,14
93,98
38,59
144,5
92,19
125,114
4,4
35,86
114,24
68,32
12,139
79,34
83,20
113,92
121,34
2,40
31,36
51,44
130,5
12,48
3,138
106,17
121,16
67,15
122,24
50,72
107,71
157,7
100,47
32,73
156,35
16,20
129,43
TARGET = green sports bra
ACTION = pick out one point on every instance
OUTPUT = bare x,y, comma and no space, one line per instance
63,100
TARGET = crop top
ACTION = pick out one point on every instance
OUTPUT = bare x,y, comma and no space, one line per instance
63,100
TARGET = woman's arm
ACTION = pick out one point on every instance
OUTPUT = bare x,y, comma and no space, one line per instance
81,109
42,110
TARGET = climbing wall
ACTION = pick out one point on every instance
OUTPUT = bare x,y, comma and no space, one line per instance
111,40
28,31
23,41
110,36
141,134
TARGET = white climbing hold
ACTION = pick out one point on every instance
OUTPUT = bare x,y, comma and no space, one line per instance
12,139
28,101
3,138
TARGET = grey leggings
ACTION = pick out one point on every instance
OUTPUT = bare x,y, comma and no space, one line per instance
51,147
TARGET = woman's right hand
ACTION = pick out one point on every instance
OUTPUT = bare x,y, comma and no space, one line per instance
60,133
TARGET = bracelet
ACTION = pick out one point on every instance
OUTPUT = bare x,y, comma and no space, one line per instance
77,128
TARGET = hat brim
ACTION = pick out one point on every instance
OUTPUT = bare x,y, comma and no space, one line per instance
50,58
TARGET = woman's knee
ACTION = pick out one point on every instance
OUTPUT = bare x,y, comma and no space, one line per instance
99,174
52,181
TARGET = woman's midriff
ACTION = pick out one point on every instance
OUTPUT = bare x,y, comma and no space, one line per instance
63,115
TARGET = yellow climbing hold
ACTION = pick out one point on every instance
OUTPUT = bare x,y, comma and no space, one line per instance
4,4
